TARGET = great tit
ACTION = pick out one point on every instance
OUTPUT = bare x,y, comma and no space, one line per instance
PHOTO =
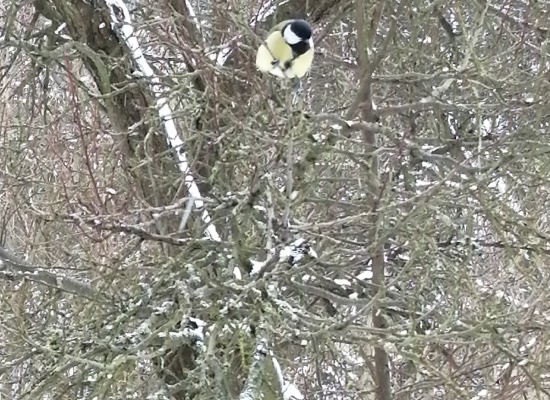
288,50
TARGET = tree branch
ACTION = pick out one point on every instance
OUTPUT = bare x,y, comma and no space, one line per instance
15,269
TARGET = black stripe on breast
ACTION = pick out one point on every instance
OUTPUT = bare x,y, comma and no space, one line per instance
299,48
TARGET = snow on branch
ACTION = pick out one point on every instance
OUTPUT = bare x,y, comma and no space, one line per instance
252,387
288,389
267,9
253,382
122,24
293,253
193,16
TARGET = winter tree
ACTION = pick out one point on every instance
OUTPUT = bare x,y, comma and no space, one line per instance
175,224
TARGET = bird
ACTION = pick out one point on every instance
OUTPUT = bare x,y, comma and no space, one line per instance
287,52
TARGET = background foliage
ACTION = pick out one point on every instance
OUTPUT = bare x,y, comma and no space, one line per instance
428,211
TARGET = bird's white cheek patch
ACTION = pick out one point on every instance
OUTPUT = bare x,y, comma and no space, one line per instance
291,37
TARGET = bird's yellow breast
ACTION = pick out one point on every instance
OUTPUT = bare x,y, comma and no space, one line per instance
275,48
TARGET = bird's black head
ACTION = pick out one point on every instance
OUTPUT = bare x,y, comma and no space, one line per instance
301,28
298,36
